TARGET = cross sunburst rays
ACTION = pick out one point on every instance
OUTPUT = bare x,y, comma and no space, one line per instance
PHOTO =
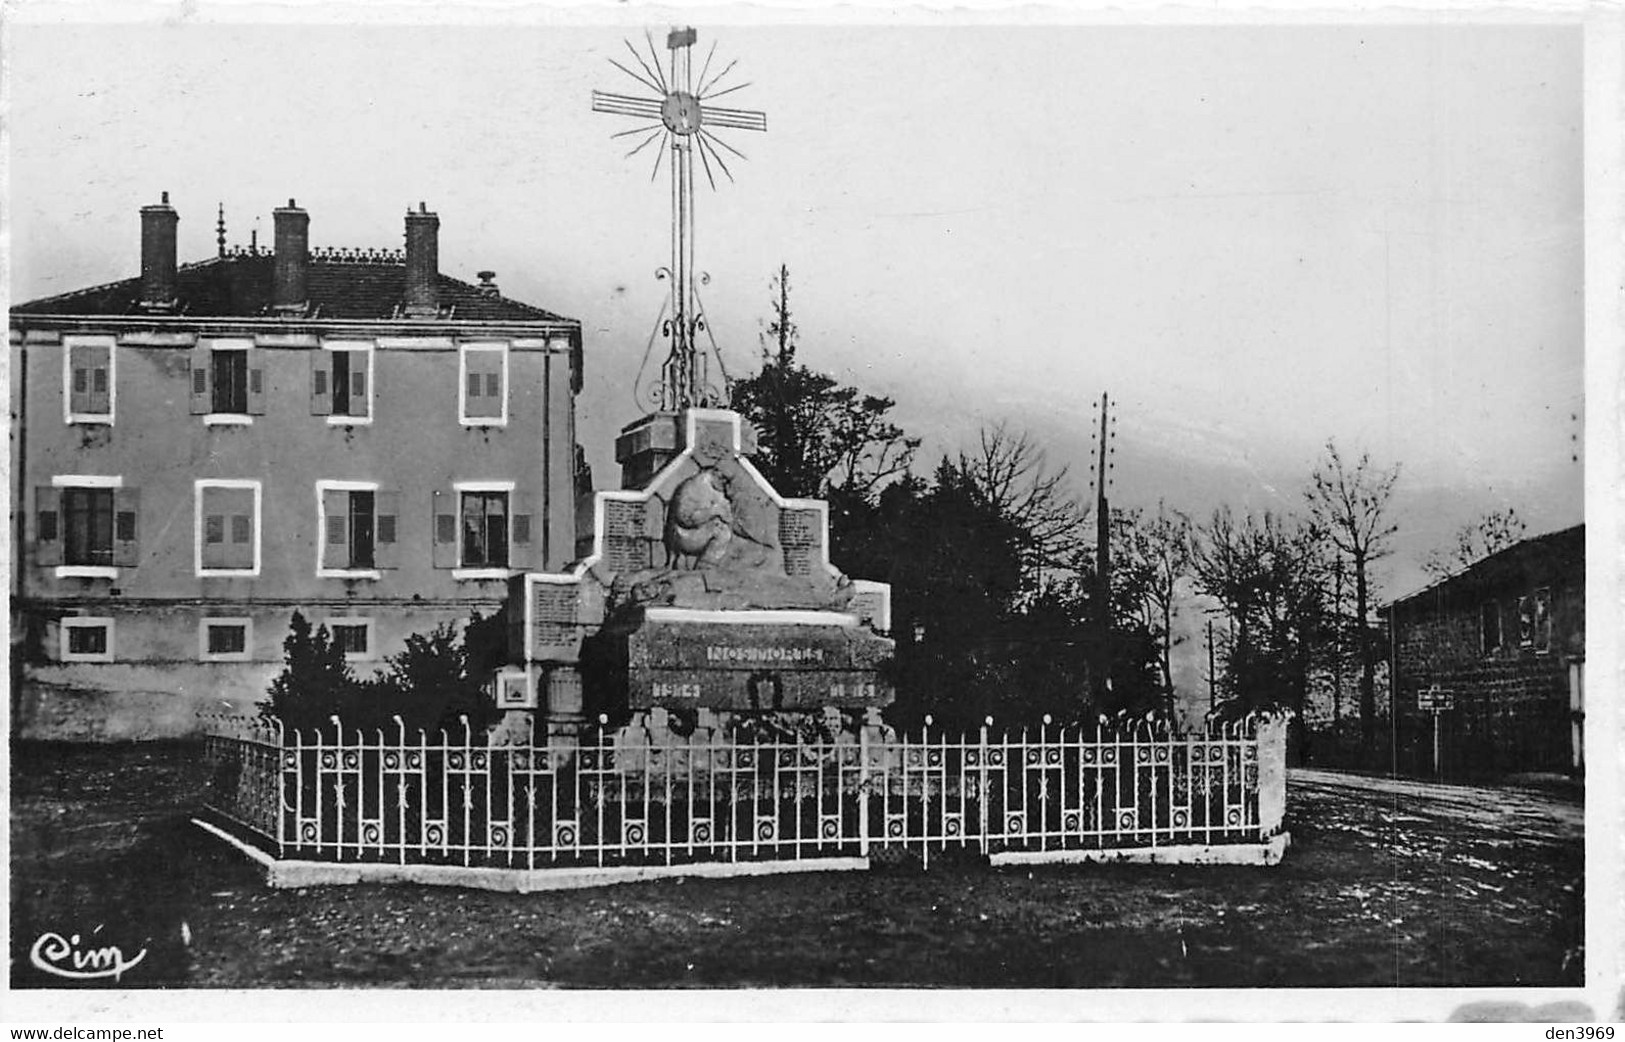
676,109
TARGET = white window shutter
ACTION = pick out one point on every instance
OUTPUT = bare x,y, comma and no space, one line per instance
321,383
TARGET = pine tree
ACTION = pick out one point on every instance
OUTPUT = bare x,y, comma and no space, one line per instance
315,684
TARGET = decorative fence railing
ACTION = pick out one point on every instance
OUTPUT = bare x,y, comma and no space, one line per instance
340,795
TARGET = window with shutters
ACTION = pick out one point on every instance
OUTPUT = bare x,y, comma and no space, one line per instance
482,529
227,537
341,382
359,527
86,639
226,640
483,376
228,384
87,378
86,526
230,393
485,530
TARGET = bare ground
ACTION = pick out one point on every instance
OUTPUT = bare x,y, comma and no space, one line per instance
1388,883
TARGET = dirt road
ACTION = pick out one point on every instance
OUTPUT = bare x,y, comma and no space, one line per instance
1511,811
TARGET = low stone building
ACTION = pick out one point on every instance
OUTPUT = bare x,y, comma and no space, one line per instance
1499,649
199,451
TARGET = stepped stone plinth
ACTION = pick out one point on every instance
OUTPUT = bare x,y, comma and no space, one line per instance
705,592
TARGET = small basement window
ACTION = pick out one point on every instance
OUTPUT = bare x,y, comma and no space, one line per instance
353,637
87,640
225,640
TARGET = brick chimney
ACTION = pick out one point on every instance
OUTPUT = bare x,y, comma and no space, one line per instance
158,223
422,263
289,289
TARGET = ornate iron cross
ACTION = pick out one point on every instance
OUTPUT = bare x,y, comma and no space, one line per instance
681,120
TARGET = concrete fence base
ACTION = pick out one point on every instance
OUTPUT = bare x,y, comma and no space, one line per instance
289,874
1269,852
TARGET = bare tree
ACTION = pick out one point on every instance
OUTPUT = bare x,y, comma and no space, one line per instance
1268,573
1156,554
1350,506
1224,560
1013,476
1490,534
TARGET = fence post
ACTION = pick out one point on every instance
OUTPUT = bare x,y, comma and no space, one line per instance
863,789
1270,735
984,792
278,766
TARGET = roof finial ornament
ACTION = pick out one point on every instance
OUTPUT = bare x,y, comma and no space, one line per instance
220,230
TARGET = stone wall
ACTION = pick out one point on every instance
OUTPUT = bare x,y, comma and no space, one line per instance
1511,697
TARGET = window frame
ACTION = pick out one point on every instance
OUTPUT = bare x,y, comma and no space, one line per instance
333,348
111,482
323,569
224,389
1484,610
466,571
69,623
365,622
198,487
69,342
203,652
212,418
463,351
1540,607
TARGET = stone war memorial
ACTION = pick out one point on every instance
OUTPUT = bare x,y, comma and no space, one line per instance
707,599
703,692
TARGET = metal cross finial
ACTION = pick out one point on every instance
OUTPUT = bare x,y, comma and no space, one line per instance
679,118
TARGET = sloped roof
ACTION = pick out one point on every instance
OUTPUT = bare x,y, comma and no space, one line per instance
362,286
1554,552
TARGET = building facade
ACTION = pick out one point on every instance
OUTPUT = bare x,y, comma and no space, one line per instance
1494,659
204,449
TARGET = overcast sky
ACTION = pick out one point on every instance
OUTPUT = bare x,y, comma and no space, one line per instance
1254,238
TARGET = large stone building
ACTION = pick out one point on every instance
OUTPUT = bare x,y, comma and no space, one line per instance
1501,648
201,450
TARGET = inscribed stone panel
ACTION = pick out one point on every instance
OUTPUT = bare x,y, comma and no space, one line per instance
626,548
802,538
871,602
554,616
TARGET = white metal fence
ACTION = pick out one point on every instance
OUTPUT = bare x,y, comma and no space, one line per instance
343,795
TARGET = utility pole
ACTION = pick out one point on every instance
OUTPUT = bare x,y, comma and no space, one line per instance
1337,642
1101,680
1212,672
